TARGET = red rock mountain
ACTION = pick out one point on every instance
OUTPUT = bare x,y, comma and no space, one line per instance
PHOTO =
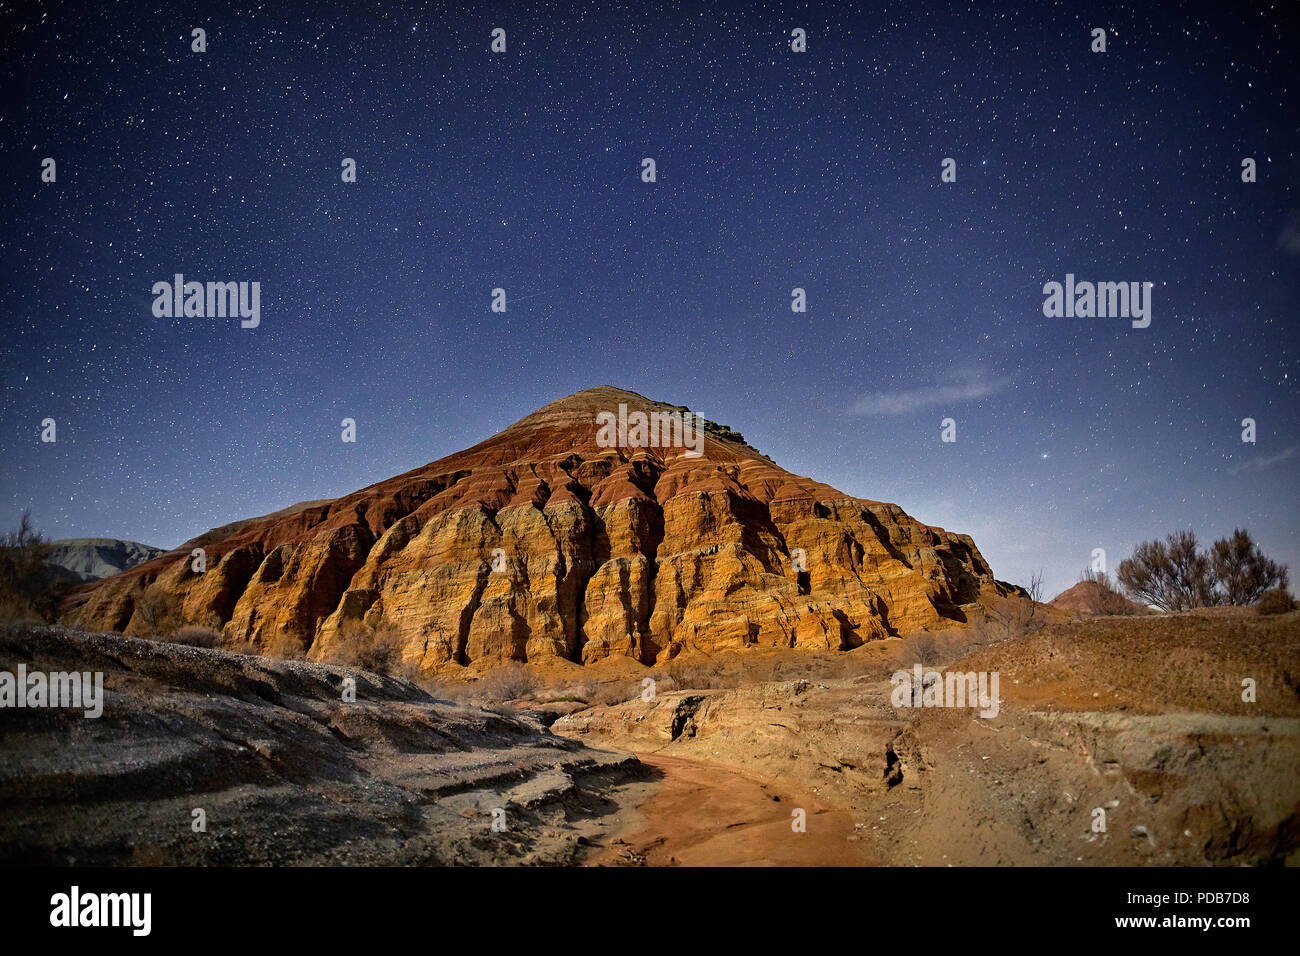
643,552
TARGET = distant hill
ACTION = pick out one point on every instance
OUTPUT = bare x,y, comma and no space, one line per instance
89,559
1089,597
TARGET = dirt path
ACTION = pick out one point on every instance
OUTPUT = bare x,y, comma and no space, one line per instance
706,814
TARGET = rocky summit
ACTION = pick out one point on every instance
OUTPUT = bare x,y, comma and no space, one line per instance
542,543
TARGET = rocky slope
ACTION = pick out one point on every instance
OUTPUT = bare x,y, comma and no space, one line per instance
539,543
283,767
89,559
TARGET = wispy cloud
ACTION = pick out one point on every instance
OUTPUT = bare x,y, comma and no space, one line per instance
1259,464
910,400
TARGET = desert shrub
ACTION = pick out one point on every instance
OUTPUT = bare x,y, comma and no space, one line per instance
29,589
617,692
1242,571
922,649
695,672
508,682
579,691
195,635
157,611
1171,574
1275,601
445,689
665,683
1174,575
377,649
285,646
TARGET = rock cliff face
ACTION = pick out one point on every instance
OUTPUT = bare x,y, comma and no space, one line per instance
540,543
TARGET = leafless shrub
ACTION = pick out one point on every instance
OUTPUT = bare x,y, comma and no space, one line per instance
580,692
453,690
509,682
1174,575
374,649
1275,601
695,671
194,635
922,649
617,692
30,590
157,611
1244,575
285,646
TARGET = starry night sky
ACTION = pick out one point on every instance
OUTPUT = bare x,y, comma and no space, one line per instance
775,170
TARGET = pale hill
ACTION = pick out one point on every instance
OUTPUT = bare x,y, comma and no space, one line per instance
89,559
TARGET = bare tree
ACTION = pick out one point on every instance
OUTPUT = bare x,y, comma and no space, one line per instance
1035,588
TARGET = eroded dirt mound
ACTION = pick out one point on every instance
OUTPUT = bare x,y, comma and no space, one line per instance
1093,597
284,769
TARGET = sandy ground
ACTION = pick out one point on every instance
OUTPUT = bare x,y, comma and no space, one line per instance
700,813
1119,742
1143,718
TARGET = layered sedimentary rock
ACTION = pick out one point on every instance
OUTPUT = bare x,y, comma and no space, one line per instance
543,543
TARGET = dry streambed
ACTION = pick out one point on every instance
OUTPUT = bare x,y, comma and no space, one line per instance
1139,718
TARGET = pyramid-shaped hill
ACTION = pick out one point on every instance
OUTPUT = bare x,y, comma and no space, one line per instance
543,542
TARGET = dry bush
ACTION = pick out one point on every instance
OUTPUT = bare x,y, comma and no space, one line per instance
377,649
695,672
30,590
1174,575
443,689
665,683
617,692
1243,573
1276,601
922,649
195,635
580,692
14,610
762,670
509,682
285,646
157,612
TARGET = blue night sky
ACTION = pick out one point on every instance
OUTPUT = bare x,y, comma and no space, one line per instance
775,169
